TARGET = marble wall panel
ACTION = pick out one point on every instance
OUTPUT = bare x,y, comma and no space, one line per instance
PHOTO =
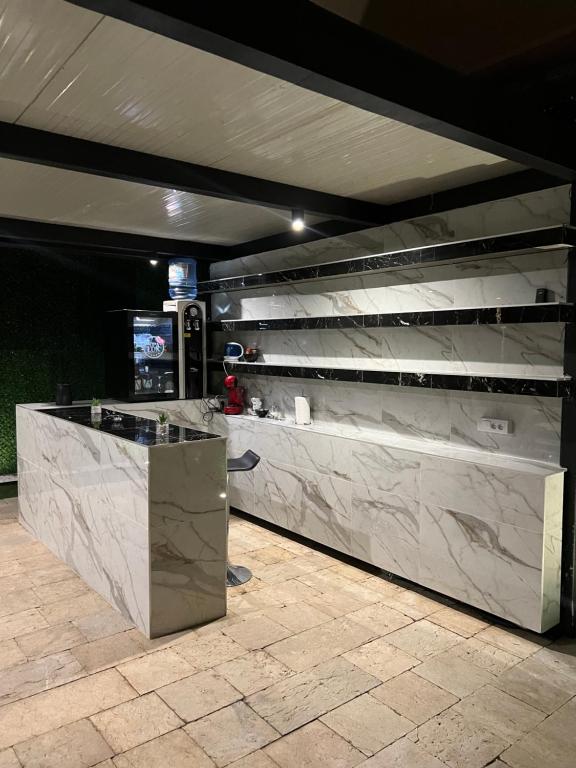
490,565
188,534
379,467
535,421
314,505
491,493
536,209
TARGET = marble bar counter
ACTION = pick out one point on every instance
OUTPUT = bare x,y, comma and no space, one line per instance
139,515
483,528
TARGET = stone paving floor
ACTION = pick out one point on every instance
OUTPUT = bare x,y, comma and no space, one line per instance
318,664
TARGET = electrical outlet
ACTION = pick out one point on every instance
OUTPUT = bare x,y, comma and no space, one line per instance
500,426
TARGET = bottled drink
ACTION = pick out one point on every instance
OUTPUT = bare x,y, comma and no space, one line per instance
182,279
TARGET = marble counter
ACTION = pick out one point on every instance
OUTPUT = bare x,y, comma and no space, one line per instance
480,527
141,518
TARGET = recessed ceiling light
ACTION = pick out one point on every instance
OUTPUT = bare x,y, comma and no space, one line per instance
298,223
153,262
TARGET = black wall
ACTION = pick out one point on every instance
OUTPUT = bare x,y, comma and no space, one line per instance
51,324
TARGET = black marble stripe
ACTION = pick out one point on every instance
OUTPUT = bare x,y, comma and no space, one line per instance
535,313
471,249
494,384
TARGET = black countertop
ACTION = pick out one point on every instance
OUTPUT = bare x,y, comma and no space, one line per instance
127,426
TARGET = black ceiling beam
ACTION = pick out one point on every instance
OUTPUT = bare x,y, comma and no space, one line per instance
306,45
26,233
519,183
18,142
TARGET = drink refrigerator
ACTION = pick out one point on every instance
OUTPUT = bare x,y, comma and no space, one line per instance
156,355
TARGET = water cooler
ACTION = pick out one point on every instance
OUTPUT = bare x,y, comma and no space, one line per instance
192,383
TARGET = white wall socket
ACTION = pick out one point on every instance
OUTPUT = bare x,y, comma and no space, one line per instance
501,426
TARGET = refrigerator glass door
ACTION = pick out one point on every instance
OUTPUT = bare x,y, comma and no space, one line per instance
155,356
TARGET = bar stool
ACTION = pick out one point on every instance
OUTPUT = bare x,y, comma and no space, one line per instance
239,574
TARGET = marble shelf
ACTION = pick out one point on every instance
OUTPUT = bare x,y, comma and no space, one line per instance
549,312
546,239
541,387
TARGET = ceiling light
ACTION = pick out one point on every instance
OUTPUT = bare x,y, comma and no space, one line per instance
298,223
153,262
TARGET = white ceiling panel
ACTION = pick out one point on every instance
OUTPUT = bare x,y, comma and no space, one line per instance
79,199
136,89
36,38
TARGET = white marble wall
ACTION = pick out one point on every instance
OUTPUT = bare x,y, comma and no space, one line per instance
144,527
530,211
498,281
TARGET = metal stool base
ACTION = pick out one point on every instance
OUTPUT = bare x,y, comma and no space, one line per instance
237,575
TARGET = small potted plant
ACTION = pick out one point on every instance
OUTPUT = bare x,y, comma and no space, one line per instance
162,426
96,409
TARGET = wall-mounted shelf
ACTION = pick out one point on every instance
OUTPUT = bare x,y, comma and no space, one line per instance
486,247
541,387
504,315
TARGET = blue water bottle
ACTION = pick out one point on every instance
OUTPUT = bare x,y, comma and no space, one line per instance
182,279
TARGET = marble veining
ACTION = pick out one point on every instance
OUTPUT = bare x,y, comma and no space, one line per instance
535,209
145,526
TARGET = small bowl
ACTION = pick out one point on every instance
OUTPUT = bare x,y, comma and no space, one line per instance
262,412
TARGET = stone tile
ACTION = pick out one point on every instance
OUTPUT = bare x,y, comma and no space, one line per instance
253,672
319,644
551,744
299,566
231,733
414,697
412,604
33,676
423,639
135,722
199,695
380,618
13,583
43,560
10,654
49,574
98,625
259,600
51,593
273,554
459,621
336,603
403,754
258,759
78,745
314,746
50,640
454,674
350,572
209,651
298,616
256,632
156,670
384,587
172,750
537,684
367,723
293,702
8,759
21,623
458,742
500,713
381,659
49,710
560,656
485,656
106,652
18,601
328,580
288,592
73,608
514,641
